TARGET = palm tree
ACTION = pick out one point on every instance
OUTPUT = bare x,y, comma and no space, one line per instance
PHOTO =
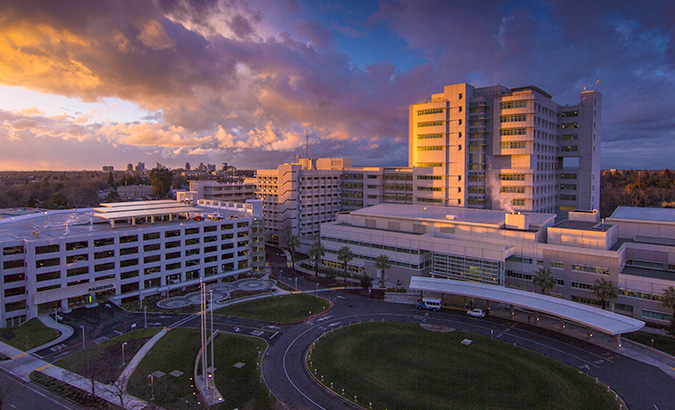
605,290
317,251
345,256
291,244
382,263
543,280
669,302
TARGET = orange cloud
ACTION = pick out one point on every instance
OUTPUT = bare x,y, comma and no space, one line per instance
40,57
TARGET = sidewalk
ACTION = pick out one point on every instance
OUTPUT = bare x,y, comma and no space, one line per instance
22,364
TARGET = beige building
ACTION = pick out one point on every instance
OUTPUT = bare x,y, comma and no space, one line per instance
298,197
501,148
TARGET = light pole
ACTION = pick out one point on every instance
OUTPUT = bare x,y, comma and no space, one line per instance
152,387
123,361
317,289
296,283
145,315
83,344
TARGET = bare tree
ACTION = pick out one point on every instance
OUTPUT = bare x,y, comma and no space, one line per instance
119,388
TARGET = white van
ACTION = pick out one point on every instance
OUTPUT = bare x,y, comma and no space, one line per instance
430,304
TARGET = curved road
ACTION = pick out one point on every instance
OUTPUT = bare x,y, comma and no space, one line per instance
642,386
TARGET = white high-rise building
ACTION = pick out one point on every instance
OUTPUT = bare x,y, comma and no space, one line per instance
501,148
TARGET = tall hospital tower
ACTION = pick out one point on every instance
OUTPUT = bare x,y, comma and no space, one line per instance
501,148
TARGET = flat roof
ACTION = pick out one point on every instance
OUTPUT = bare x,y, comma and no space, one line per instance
126,213
595,318
644,214
137,204
583,226
448,214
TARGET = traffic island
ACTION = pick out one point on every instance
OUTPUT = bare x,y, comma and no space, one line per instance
401,365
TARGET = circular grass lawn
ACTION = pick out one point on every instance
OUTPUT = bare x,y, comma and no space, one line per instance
291,308
402,366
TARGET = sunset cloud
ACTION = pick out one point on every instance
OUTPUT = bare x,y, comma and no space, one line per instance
245,81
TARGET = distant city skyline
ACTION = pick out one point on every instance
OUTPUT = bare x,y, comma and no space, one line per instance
87,84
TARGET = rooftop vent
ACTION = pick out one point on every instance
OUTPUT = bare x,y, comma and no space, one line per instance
516,220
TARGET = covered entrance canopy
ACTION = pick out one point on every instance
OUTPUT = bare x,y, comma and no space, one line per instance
589,316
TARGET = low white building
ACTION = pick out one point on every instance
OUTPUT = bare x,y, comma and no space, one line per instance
634,249
64,259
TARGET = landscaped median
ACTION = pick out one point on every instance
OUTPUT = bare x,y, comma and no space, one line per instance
171,363
403,366
29,335
291,308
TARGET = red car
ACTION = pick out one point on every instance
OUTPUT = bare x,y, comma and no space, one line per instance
198,218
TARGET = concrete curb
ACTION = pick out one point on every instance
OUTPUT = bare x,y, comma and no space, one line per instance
136,360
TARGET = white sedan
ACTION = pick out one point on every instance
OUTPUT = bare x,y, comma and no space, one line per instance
476,313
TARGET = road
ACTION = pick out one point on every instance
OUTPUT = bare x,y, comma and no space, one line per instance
643,387
20,395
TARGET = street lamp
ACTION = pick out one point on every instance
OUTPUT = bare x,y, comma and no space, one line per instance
152,387
145,316
123,361
83,344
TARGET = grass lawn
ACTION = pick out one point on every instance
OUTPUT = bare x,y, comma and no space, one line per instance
665,344
177,350
280,309
29,335
103,361
402,366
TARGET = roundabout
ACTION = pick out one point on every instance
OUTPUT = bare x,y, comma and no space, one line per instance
392,365
221,292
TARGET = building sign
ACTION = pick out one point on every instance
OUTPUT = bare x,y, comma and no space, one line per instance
73,291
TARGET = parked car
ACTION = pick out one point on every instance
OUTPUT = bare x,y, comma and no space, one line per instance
198,218
476,313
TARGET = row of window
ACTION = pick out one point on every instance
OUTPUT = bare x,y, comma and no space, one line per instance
513,189
513,131
431,148
505,105
430,111
373,245
512,177
513,118
429,124
513,145
429,136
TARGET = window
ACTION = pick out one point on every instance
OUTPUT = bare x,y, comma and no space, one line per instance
513,145
570,125
568,176
170,245
48,276
429,164
150,236
46,262
430,111
429,189
431,148
513,131
169,234
423,137
513,189
591,269
77,271
430,177
513,118
568,187
192,231
429,124
568,114
568,197
104,242
128,251
571,137
506,105
512,177
518,202
557,265
569,148
128,262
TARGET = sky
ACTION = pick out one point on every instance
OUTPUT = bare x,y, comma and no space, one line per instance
110,82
